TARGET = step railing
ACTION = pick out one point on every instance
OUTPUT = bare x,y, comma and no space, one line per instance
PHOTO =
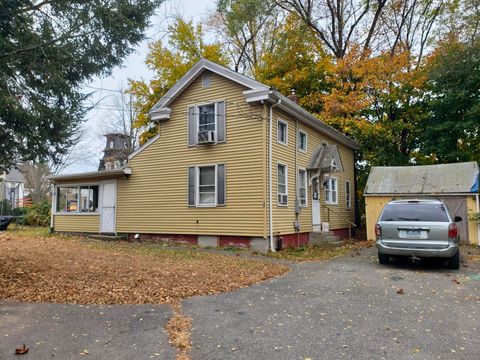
350,223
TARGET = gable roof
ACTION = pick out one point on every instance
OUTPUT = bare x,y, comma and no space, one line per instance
457,178
256,92
195,71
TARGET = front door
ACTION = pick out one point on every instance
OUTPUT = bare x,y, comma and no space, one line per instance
316,222
107,216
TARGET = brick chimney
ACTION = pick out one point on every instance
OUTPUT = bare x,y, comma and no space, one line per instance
293,96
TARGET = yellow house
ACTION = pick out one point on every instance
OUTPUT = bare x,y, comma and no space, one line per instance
233,163
456,185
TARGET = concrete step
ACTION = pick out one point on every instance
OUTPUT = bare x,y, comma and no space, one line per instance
326,238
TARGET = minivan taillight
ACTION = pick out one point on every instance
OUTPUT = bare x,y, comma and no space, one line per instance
452,231
378,230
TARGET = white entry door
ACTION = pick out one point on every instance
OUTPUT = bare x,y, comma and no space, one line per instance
316,222
109,198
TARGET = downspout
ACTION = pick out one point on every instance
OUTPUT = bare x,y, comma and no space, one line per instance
270,192
297,203
53,208
478,212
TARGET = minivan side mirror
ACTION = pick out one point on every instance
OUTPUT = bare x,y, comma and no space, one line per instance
458,219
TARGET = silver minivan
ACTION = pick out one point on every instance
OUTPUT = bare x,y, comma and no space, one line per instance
417,228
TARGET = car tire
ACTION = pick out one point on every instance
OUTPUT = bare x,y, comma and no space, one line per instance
383,259
454,261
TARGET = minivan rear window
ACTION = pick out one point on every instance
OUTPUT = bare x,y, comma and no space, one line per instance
415,212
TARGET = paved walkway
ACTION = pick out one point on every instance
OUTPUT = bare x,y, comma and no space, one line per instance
347,308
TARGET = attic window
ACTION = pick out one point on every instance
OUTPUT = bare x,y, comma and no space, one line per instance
206,79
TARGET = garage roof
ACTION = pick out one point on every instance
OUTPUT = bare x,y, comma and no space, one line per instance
458,178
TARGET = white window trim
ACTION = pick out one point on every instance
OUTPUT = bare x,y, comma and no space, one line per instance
306,141
348,200
286,184
286,132
197,186
306,185
330,202
78,212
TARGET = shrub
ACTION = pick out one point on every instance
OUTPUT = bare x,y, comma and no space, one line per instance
39,214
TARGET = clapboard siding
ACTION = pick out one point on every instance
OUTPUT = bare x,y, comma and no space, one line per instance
284,216
76,223
154,198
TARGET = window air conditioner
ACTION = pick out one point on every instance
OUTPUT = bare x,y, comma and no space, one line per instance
206,137
282,199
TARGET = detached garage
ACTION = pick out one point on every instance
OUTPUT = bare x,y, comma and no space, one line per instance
457,185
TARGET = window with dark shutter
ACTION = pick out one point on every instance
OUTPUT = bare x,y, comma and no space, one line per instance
191,185
221,194
192,127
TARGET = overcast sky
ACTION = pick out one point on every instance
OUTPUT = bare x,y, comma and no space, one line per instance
87,153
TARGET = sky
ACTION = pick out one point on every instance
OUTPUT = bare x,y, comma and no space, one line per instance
87,153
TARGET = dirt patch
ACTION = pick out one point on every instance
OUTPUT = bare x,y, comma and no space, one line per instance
179,329
76,270
315,253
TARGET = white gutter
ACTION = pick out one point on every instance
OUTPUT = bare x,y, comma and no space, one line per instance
270,192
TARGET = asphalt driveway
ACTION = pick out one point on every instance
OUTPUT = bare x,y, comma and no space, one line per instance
347,308
55,331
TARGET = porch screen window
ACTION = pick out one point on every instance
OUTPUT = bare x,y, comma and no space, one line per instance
348,198
206,185
302,187
331,192
282,186
206,120
77,199
67,199
89,198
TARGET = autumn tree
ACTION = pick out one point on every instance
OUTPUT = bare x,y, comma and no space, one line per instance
249,29
186,46
339,24
297,62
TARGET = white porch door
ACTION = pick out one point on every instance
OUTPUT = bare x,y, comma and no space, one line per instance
107,215
316,222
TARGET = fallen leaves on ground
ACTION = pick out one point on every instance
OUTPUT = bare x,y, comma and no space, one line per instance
316,253
21,350
179,329
83,271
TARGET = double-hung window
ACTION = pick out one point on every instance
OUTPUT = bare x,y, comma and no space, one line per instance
206,185
348,197
282,184
206,181
206,118
74,199
302,187
282,132
206,124
302,141
331,191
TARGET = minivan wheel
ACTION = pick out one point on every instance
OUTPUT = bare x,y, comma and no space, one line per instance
454,261
383,259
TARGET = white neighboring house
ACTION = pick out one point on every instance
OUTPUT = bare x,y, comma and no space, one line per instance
12,188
